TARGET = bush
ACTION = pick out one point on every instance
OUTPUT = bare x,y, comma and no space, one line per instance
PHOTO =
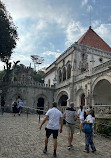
104,129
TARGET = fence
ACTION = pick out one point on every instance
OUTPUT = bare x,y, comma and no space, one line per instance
99,128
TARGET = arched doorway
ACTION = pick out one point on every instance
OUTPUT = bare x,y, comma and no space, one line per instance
102,93
40,105
83,99
63,100
80,97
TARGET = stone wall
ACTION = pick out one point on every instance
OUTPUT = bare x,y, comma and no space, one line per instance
30,93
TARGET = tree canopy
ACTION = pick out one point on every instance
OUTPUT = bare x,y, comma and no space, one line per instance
8,34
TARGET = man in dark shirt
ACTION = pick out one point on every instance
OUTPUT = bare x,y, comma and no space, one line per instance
70,117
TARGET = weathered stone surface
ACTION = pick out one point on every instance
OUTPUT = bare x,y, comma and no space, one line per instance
20,137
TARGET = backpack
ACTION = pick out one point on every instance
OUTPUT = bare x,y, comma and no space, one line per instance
14,104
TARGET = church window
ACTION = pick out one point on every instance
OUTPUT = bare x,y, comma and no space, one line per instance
101,60
49,82
64,74
60,76
68,71
83,56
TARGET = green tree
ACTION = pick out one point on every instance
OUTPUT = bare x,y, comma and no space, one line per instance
38,76
8,35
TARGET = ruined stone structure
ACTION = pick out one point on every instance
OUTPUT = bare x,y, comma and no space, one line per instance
21,83
34,95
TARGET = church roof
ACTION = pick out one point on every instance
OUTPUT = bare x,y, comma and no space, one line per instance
91,38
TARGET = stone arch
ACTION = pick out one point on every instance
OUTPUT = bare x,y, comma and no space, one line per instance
80,97
100,78
40,102
62,98
102,91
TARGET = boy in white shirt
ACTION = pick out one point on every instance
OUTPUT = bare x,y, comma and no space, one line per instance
89,136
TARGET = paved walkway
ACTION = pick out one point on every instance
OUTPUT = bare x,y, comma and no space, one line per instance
21,138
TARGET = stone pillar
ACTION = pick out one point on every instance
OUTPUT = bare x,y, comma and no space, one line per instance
68,102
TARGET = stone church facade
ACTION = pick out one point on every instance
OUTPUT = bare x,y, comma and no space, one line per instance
83,74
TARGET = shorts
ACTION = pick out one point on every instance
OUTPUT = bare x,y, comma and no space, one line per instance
70,128
51,131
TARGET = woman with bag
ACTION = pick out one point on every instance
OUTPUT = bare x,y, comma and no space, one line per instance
88,130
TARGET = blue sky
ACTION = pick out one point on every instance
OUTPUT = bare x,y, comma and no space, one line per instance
48,27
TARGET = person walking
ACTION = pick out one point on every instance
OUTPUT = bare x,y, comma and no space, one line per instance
20,105
2,105
54,117
89,136
81,113
70,118
14,106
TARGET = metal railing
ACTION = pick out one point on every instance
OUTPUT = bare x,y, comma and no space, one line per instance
99,128
30,110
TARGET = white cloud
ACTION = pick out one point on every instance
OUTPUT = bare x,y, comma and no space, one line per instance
42,14
22,58
29,38
96,23
1,65
104,31
109,19
24,44
41,9
50,53
73,32
41,25
84,2
89,8
52,47
94,1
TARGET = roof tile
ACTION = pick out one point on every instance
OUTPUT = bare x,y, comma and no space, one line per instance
91,38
